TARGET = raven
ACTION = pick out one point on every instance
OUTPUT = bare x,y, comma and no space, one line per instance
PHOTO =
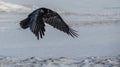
37,19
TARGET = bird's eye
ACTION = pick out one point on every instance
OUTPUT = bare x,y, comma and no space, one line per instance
41,11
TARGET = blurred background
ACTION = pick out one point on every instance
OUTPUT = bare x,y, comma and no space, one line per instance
97,23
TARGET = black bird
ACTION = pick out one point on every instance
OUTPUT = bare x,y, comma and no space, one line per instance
37,19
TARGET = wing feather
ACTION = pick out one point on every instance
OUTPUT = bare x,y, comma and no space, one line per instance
36,24
56,21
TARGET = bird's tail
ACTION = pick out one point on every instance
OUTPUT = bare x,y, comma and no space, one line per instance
24,23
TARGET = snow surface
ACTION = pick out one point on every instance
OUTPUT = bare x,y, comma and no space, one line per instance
9,7
113,61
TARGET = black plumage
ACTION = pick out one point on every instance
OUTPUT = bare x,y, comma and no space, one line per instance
37,19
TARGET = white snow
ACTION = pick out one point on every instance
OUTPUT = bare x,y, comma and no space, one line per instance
9,7
113,61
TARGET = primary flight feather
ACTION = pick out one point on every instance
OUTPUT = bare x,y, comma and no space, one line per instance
37,19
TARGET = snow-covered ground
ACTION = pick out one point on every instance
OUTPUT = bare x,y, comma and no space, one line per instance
97,23
113,61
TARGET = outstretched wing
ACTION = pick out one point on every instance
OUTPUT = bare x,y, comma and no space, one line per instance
56,21
36,24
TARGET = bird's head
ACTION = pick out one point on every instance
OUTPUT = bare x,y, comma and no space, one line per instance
24,23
